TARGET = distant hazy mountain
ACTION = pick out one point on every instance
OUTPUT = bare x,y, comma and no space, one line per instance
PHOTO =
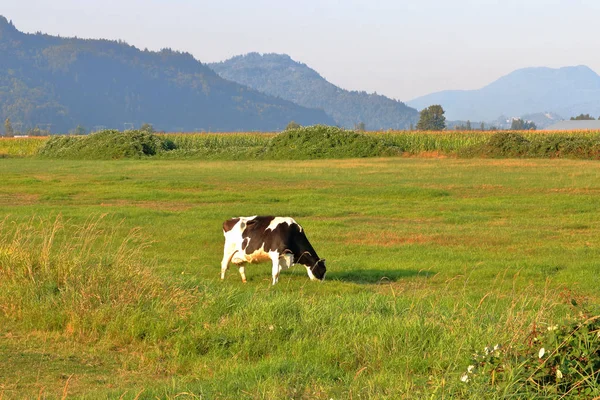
68,81
279,75
541,120
567,91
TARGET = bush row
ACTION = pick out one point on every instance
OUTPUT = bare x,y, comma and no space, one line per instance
319,142
555,145
108,144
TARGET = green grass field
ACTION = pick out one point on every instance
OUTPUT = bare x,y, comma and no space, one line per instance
109,275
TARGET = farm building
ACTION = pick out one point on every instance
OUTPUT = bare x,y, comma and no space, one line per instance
572,125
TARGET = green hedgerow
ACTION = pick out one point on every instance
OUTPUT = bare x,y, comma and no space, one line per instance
321,141
107,144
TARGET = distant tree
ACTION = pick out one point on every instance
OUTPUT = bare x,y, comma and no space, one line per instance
8,129
293,125
146,127
468,127
432,119
79,130
518,124
37,132
360,127
482,127
412,127
582,117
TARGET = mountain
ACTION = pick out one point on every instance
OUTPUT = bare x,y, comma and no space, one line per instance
279,75
67,82
564,91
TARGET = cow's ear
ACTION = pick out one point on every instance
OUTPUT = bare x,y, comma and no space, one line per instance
322,259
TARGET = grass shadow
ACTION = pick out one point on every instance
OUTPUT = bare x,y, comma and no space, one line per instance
363,276
375,276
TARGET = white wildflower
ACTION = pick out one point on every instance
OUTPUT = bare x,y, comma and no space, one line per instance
470,369
496,347
553,328
271,327
487,351
542,352
464,378
559,374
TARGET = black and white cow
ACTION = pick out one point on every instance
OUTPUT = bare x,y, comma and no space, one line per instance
278,239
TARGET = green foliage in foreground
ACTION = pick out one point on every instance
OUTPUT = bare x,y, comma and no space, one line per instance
558,360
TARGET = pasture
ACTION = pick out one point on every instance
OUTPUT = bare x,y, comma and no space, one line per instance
428,261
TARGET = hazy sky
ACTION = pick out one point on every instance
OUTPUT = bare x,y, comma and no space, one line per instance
402,49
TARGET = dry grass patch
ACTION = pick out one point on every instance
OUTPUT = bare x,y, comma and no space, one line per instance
18,199
152,205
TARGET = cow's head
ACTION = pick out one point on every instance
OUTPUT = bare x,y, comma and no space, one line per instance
319,269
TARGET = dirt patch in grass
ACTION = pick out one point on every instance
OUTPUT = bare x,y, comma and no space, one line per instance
359,162
513,163
18,199
575,190
388,239
153,205
429,154
391,239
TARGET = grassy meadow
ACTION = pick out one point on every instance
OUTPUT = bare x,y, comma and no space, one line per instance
109,275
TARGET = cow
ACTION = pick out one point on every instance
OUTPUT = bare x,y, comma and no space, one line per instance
262,238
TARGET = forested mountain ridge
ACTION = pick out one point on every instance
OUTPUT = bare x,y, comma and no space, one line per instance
67,82
279,75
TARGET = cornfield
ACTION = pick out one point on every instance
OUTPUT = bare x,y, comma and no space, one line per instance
21,147
252,145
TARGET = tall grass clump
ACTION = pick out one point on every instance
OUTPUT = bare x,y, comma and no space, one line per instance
107,144
320,141
446,142
84,282
229,146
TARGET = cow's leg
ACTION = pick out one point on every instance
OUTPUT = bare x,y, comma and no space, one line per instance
227,256
274,255
242,273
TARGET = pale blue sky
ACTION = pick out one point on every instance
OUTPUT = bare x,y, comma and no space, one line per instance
402,49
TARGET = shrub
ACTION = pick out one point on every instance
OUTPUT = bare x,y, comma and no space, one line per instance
506,144
107,144
565,145
320,141
293,125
